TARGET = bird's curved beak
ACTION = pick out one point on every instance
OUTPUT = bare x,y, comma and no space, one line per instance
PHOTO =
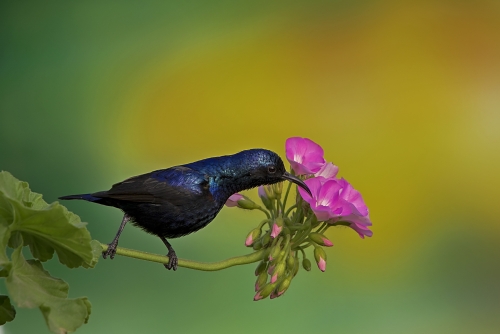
297,181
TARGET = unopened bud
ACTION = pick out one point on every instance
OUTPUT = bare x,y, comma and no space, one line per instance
247,204
290,262
320,239
233,200
257,244
263,197
269,192
320,256
283,286
278,188
266,239
265,291
306,264
281,256
275,251
252,236
261,280
277,227
278,271
276,230
260,268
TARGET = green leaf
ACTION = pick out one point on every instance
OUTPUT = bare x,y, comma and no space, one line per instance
7,311
4,239
96,254
19,190
31,286
45,228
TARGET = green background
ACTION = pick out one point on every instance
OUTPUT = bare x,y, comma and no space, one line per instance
402,95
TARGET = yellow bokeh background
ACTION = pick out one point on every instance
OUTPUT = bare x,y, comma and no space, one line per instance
403,97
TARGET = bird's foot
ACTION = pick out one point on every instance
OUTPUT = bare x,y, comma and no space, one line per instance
111,251
172,262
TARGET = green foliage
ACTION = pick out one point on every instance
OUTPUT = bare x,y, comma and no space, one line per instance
27,220
7,311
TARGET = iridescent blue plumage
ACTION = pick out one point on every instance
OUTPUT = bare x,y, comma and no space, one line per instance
180,200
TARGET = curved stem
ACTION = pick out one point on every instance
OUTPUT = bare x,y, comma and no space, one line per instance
265,211
323,228
290,209
286,195
212,266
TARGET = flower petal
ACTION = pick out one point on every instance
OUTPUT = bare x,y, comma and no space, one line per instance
328,171
304,155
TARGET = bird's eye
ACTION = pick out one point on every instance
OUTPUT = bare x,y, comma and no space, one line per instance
271,169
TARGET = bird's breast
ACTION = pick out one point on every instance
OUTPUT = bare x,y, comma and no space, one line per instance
173,223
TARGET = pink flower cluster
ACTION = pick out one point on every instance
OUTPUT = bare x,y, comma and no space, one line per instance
333,200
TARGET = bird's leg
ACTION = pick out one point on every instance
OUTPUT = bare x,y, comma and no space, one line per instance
111,251
172,262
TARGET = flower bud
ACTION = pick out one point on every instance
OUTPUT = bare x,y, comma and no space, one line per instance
247,204
290,261
252,236
260,268
278,188
266,239
261,281
275,251
306,264
278,271
233,200
265,291
277,227
269,192
257,244
281,256
263,197
283,286
320,239
320,256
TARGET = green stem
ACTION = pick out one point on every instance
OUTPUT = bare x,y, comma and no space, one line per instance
265,211
281,208
323,228
290,209
300,236
286,195
212,266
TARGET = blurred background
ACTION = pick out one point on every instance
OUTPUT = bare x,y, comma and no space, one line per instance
402,95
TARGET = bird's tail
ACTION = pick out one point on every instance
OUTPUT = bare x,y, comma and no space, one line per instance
85,197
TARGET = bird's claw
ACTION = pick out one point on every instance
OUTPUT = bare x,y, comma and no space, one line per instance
172,262
111,251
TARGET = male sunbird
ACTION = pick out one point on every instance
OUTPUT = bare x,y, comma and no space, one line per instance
179,200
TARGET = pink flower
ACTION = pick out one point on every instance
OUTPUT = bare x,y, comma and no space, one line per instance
328,171
336,200
304,155
233,200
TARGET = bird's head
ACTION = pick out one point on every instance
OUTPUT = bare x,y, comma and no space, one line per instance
262,167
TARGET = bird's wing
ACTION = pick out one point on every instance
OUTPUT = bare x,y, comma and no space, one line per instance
175,185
